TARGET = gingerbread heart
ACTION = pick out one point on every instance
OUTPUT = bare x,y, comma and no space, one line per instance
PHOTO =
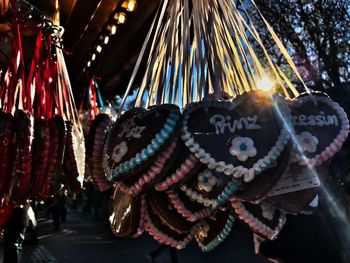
321,127
238,138
263,219
164,224
214,230
140,139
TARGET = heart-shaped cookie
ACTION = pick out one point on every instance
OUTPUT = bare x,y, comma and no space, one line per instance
7,132
210,188
94,150
126,214
231,137
214,229
21,174
140,139
263,219
164,224
112,136
321,127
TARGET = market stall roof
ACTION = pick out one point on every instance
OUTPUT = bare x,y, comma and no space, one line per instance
85,24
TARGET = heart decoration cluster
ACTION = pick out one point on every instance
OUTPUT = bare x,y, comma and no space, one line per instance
192,173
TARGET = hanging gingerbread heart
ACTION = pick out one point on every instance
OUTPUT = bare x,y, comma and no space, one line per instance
164,224
241,138
112,138
263,219
41,147
54,178
214,230
321,127
140,139
21,174
126,214
94,150
7,132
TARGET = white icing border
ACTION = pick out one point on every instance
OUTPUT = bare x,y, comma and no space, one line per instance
337,143
229,169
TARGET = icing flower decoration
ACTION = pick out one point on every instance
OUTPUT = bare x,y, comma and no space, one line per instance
307,142
206,181
119,151
267,211
203,230
242,148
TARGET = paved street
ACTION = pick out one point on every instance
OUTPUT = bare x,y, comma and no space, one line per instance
83,239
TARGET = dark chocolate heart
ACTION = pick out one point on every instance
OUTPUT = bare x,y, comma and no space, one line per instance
321,127
263,219
126,214
239,138
164,224
214,230
140,138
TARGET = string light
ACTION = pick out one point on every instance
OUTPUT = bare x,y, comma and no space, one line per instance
120,17
93,57
106,40
130,5
88,64
112,29
99,48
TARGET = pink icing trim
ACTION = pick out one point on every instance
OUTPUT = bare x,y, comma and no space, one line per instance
180,207
179,174
151,174
141,227
255,224
164,238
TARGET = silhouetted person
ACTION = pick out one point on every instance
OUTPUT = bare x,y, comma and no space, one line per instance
14,232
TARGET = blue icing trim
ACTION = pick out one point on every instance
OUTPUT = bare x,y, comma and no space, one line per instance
164,133
221,236
159,139
150,150
227,193
144,155
155,144
168,128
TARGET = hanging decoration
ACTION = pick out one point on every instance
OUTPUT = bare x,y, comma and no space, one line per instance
228,150
42,144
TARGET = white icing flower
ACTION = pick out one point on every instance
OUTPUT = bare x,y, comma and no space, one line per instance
307,142
267,211
206,181
119,151
242,148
